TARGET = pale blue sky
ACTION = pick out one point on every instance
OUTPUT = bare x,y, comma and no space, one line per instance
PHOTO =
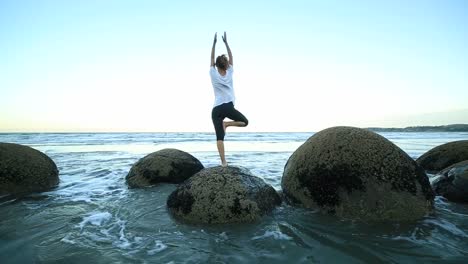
299,65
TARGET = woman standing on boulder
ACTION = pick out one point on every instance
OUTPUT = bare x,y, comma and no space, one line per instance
221,79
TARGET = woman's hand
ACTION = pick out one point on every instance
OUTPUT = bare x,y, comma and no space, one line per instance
228,49
213,51
224,37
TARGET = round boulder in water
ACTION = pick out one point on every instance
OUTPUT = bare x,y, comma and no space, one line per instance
444,155
357,174
24,170
222,195
452,182
166,165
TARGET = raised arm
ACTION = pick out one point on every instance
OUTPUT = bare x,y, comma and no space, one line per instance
213,52
228,49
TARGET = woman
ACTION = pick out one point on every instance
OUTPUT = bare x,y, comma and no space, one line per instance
221,79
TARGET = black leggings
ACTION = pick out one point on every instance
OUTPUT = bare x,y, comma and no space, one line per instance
222,111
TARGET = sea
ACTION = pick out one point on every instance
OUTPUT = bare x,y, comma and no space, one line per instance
93,217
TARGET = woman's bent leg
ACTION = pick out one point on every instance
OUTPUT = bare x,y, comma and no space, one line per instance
239,120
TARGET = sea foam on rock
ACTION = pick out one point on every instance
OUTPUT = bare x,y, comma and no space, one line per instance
166,165
222,195
452,182
25,170
441,157
357,174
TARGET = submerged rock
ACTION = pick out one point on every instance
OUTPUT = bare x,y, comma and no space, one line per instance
452,182
222,195
24,170
357,174
442,156
166,165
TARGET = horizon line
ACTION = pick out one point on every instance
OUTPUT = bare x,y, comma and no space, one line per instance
208,132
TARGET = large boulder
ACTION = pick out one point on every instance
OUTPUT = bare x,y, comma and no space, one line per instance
357,174
452,182
222,195
440,157
24,170
166,165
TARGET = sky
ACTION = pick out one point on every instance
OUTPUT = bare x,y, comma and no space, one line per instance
300,65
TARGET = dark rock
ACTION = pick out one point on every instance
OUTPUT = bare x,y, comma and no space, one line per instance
24,170
444,155
357,174
222,195
166,165
452,182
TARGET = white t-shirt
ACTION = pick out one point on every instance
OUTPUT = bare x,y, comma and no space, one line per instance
222,86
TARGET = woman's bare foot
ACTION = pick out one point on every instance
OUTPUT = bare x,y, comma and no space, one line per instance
224,164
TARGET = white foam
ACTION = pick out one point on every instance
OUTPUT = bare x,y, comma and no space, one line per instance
223,236
67,239
81,199
411,238
274,234
96,219
158,247
122,241
176,233
123,244
189,146
97,238
444,224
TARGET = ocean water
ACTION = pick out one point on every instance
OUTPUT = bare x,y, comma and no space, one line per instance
92,217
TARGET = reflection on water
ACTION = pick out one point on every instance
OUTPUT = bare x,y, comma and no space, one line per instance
92,216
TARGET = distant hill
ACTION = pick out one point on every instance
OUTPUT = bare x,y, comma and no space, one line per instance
447,128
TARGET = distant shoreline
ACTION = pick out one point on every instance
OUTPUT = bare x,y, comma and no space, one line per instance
447,128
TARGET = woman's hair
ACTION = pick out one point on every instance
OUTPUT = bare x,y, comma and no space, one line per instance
222,62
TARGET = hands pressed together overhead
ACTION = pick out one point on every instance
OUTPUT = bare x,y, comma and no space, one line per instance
224,37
